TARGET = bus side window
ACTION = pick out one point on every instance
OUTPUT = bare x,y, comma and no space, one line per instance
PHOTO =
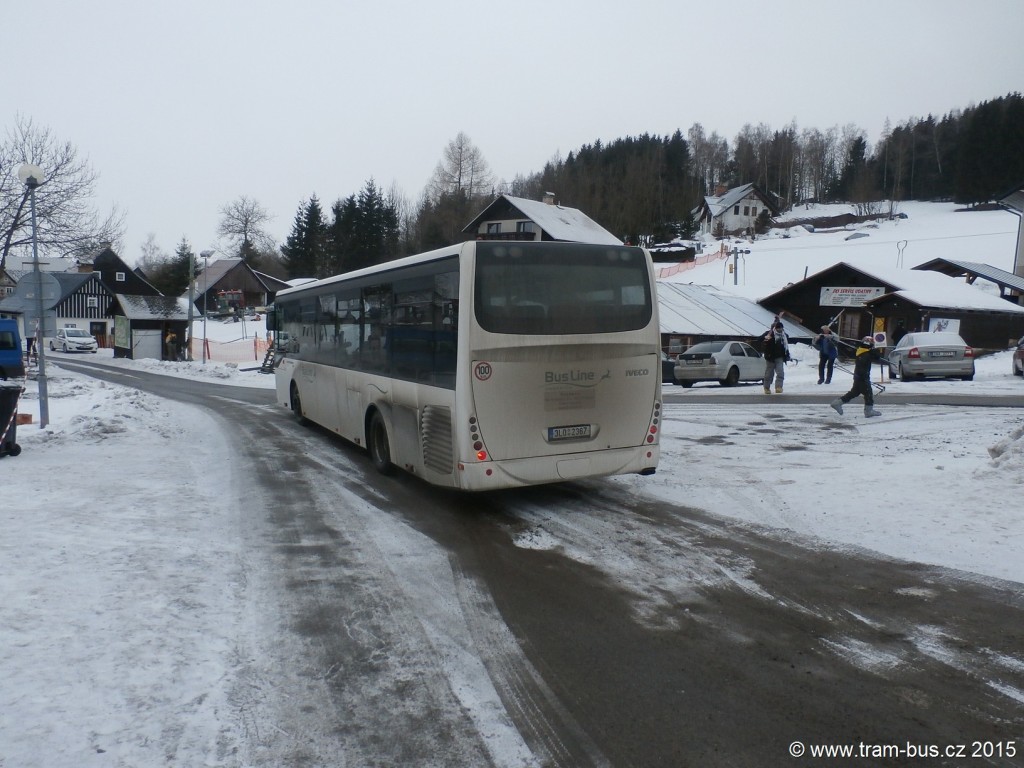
373,352
351,310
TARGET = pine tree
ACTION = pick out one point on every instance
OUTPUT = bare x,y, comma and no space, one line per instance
292,252
376,233
182,261
305,252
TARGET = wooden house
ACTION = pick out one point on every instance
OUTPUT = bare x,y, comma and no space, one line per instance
861,302
516,218
233,284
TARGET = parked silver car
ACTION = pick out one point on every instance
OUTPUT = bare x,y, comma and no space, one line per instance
74,340
727,362
940,354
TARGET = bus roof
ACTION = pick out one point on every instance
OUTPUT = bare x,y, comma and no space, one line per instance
387,266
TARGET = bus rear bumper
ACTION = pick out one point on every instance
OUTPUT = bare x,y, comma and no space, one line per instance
514,473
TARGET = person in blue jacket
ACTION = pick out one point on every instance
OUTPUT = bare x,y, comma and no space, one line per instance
828,351
866,355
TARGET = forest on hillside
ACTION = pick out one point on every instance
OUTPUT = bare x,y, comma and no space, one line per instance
644,188
649,184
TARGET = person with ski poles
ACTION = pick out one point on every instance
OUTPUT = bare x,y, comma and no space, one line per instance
865,355
775,348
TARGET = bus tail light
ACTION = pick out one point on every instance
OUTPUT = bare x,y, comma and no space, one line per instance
655,425
480,450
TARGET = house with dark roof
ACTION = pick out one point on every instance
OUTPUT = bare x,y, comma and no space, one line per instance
116,274
134,323
235,283
70,300
516,218
733,211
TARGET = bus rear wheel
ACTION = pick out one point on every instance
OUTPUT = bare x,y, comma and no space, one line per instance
378,445
297,403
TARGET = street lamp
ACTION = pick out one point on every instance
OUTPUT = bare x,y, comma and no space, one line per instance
31,176
206,291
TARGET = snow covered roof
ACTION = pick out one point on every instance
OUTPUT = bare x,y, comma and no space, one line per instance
956,268
559,222
153,307
933,289
703,310
716,205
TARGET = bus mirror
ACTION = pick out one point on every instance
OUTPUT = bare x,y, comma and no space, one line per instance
271,318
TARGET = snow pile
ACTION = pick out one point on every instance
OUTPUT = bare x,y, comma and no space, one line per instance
1008,454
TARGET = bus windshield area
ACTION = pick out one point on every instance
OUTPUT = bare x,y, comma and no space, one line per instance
563,288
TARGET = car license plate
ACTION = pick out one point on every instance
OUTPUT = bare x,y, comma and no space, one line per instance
571,432
942,354
695,362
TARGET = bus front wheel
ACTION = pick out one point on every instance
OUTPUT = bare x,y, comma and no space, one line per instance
378,445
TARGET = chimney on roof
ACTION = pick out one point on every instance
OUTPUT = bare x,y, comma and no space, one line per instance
549,198
720,190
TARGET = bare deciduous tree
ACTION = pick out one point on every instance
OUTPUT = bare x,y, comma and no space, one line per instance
242,225
66,223
819,162
152,255
710,159
461,170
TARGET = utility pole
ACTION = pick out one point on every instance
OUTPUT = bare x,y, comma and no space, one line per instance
191,300
735,263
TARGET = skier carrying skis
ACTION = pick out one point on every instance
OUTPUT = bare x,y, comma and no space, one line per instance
866,355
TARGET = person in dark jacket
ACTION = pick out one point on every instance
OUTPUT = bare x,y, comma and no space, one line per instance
775,348
866,355
899,333
828,351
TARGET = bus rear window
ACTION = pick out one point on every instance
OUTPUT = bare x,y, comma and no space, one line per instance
559,288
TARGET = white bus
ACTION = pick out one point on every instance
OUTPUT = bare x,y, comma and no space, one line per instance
487,364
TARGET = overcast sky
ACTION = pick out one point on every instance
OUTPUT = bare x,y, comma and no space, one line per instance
184,106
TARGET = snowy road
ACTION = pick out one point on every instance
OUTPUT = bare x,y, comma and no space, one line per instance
658,621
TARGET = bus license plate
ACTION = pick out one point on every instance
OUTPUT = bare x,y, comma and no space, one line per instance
573,432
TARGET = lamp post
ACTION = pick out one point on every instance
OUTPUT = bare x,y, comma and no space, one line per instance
191,300
206,290
31,176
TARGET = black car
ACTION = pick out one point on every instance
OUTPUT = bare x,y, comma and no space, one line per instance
668,369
